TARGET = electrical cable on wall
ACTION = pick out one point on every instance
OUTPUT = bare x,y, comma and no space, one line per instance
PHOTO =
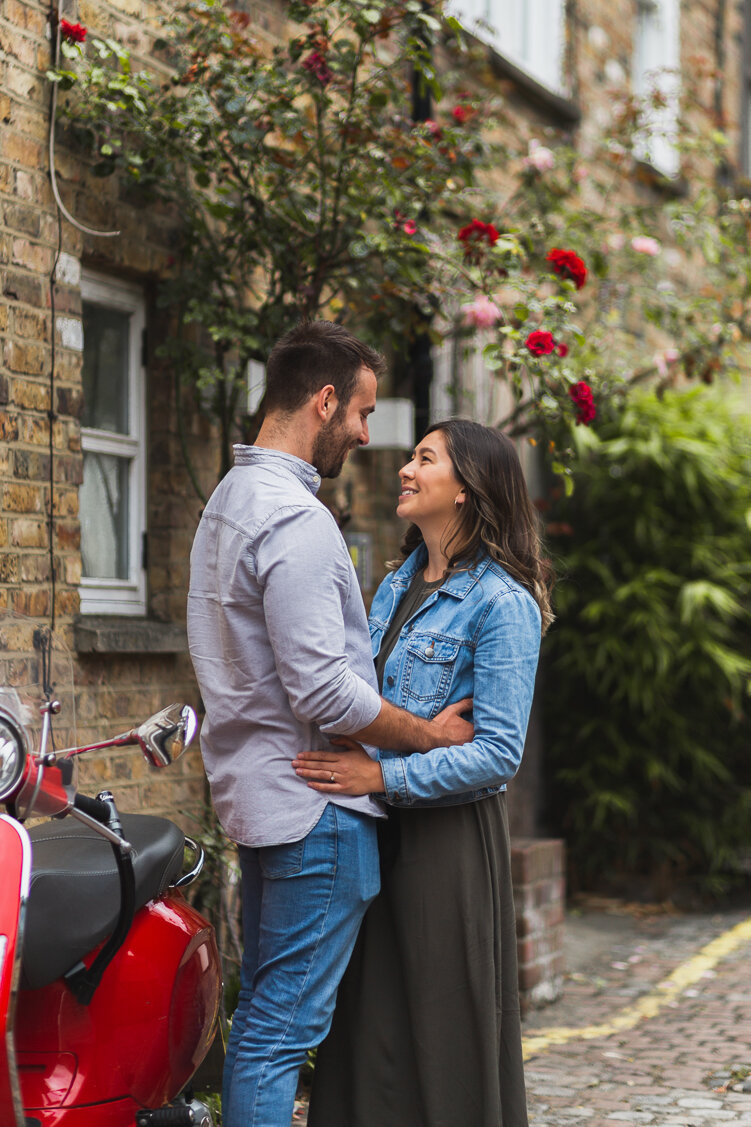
55,28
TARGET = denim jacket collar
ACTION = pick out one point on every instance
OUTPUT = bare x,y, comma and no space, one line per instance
263,455
459,584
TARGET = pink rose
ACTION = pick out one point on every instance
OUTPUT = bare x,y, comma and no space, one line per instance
539,157
664,358
645,244
482,313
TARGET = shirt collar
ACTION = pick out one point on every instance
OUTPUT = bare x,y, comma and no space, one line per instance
262,455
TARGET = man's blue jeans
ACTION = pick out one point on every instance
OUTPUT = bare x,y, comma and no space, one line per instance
302,907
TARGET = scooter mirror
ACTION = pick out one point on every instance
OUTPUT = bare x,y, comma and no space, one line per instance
165,735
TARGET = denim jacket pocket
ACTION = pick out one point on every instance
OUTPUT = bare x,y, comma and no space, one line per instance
429,667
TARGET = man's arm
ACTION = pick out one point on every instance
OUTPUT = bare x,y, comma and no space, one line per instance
397,729
303,577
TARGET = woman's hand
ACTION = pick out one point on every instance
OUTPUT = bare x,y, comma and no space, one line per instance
451,725
351,771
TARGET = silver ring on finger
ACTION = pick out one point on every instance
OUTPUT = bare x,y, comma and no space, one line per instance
333,778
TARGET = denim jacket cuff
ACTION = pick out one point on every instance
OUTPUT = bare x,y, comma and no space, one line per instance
395,781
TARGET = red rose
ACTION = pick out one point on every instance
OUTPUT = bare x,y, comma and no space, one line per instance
462,114
581,395
568,265
476,231
540,343
410,227
474,235
562,349
316,64
72,32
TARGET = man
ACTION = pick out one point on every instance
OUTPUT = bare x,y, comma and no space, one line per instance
280,645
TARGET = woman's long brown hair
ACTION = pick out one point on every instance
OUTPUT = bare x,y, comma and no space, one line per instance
497,516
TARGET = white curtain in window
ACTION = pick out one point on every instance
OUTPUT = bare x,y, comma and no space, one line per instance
656,63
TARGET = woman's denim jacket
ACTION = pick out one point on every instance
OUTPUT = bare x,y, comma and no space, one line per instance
476,636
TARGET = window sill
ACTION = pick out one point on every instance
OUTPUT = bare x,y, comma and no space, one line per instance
675,187
559,109
110,634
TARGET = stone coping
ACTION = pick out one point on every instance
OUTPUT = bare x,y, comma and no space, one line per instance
118,634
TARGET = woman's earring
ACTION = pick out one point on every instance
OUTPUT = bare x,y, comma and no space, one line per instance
459,501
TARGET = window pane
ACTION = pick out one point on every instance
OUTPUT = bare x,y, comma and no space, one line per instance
106,334
104,516
656,60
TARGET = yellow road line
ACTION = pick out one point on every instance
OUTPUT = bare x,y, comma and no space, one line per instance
651,1004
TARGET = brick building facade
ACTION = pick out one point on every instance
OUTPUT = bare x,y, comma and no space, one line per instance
118,608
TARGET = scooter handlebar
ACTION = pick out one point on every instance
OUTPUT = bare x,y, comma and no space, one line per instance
93,807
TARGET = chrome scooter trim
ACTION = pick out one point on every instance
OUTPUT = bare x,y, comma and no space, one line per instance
10,1047
200,856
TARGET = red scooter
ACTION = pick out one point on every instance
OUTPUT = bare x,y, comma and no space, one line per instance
109,980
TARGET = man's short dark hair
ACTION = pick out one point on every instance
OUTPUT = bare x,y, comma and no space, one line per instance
311,355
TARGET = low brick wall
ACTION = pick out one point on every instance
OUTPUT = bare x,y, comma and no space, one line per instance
538,872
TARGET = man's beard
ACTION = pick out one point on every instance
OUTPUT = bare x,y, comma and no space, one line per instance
331,447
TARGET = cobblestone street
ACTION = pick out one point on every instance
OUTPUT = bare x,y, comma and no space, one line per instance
679,1067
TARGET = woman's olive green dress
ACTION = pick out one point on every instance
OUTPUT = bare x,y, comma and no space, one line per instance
426,1031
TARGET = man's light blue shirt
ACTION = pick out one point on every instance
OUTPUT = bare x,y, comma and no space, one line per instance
279,642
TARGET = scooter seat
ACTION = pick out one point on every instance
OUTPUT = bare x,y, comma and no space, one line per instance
74,898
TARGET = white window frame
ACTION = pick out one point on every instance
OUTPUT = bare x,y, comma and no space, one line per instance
745,154
529,33
255,383
122,596
657,56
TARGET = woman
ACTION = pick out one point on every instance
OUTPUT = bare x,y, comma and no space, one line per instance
426,1031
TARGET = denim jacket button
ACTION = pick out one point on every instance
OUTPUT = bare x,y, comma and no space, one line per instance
430,650
389,680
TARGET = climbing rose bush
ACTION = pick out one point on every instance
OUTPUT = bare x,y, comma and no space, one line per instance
570,265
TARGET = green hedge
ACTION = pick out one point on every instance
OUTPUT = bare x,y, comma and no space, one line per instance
647,668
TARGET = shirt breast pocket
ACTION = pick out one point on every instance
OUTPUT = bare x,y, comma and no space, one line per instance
430,668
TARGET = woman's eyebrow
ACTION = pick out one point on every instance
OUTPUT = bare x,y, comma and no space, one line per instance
425,450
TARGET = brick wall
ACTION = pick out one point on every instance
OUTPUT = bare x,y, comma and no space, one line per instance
538,872
116,690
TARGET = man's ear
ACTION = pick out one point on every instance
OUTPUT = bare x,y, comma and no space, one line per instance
326,402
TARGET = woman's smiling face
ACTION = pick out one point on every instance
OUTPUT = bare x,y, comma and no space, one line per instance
429,485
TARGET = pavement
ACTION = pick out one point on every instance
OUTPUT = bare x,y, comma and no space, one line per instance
653,1026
